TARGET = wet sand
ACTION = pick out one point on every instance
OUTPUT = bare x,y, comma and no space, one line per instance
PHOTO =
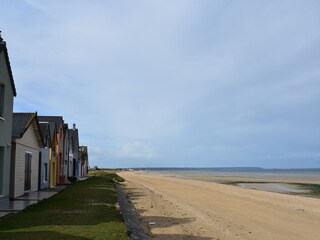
173,208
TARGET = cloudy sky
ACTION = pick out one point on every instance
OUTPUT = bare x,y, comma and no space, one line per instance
173,83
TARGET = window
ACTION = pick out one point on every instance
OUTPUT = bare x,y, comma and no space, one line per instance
1,100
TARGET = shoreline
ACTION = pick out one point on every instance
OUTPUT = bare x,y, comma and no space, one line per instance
234,176
295,185
191,209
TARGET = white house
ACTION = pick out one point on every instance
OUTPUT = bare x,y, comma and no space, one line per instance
27,142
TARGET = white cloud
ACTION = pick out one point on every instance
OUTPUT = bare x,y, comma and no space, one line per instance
137,150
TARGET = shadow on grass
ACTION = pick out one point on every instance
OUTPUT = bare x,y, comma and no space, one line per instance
39,235
89,203
67,210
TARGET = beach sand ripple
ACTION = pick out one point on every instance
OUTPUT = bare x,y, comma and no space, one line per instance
173,208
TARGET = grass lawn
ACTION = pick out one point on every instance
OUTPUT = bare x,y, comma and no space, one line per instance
85,210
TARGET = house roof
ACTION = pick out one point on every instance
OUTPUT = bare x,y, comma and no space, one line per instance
45,130
83,153
70,138
70,133
74,139
65,130
58,120
3,48
21,122
52,127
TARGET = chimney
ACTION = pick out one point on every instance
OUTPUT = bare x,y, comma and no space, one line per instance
1,39
74,126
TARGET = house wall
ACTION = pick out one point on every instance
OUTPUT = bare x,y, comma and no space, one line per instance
53,170
84,168
71,164
76,154
44,167
66,153
5,127
28,143
70,173
78,170
61,178
53,164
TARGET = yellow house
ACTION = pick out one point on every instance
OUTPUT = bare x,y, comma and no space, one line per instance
52,156
56,156
52,152
53,172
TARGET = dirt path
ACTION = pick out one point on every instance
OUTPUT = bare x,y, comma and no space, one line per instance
172,208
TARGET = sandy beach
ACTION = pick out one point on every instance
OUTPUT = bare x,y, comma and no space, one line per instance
174,208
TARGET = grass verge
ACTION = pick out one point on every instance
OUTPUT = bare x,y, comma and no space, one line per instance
85,210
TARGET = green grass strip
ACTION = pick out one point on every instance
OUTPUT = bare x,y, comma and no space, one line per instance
85,210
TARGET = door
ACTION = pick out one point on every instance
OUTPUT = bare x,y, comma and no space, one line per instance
27,173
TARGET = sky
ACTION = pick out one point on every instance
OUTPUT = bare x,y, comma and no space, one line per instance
183,83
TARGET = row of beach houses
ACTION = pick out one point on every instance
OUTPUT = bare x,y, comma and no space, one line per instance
36,152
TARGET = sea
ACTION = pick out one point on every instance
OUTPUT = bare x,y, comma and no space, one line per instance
276,180
251,172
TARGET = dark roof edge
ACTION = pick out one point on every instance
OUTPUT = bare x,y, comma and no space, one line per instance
25,128
34,116
3,46
39,129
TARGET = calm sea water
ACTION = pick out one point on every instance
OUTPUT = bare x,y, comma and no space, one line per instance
237,172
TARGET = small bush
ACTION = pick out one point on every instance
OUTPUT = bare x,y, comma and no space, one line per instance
73,179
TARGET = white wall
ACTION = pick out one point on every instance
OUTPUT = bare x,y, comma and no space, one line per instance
28,143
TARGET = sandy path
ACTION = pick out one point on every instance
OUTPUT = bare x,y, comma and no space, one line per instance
190,209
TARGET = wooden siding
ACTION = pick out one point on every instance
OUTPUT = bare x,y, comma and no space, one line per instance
28,143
